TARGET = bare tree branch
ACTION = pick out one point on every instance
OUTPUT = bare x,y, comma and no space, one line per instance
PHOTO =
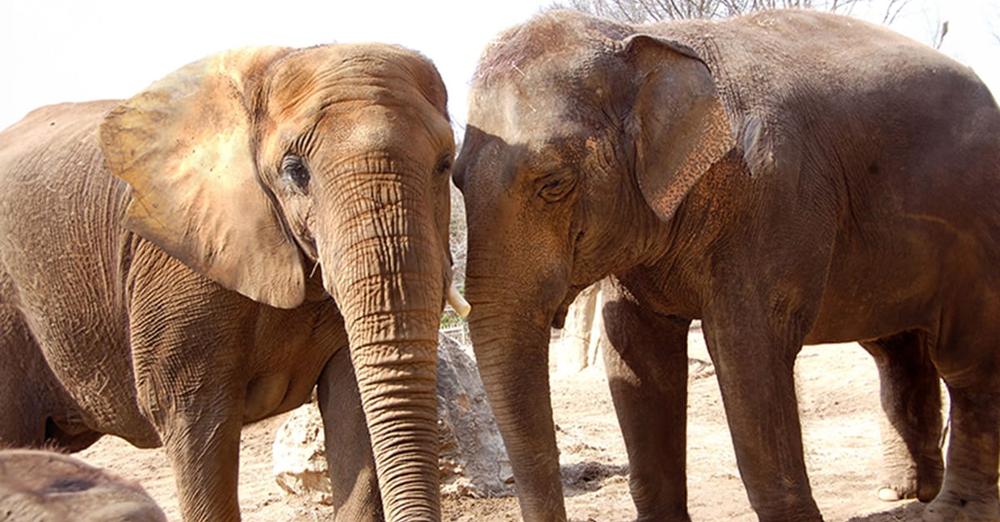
638,11
892,10
996,28
939,35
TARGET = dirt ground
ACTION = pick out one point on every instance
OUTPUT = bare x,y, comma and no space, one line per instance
838,398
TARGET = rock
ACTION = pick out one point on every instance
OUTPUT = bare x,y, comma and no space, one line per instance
298,459
472,462
582,339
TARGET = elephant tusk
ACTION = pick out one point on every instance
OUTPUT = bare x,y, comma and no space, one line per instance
458,302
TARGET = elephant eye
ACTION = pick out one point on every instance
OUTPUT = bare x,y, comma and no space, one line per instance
293,170
443,165
556,186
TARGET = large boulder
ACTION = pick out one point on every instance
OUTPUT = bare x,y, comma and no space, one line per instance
582,340
473,461
298,457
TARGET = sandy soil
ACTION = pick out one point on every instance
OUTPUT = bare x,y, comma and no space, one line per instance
838,398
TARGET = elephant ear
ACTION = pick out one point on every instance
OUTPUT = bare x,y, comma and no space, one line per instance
678,126
185,146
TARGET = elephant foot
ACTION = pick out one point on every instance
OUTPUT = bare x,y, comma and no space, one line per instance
893,491
923,485
951,507
891,494
925,492
671,516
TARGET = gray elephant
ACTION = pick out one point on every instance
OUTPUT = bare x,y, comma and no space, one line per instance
789,178
196,298
45,486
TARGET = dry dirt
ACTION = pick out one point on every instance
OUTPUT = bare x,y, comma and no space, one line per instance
838,398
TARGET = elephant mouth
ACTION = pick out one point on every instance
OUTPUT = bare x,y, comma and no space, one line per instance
559,318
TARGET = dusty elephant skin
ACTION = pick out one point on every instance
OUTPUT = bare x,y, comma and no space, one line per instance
789,178
43,486
168,262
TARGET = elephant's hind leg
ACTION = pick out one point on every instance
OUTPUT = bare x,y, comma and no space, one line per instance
24,399
35,411
911,427
969,492
969,360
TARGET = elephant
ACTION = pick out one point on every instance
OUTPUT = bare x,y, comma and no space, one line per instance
46,486
788,178
256,225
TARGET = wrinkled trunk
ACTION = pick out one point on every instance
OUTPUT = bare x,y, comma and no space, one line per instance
512,354
388,280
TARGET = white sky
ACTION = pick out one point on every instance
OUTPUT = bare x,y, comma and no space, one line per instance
71,50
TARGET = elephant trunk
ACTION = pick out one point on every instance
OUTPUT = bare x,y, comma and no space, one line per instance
512,355
387,273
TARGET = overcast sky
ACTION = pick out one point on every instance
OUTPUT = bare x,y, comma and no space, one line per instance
68,50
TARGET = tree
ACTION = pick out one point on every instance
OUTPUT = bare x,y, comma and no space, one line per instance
639,11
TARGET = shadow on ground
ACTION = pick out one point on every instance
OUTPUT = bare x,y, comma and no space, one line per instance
909,512
581,477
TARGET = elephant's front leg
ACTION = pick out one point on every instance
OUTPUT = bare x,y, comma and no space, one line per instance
754,363
348,444
647,372
189,341
204,452
200,429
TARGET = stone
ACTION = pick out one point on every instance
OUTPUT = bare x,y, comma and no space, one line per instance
473,461
582,340
298,458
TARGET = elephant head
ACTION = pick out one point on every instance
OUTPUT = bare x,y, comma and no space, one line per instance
45,485
583,139
259,166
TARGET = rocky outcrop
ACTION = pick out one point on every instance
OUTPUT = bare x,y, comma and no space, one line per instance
298,456
473,461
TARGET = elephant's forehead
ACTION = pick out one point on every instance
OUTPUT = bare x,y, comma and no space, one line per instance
311,80
526,115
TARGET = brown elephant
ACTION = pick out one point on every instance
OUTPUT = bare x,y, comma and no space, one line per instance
789,178
44,486
196,298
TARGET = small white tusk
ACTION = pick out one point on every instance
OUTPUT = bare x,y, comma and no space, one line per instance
458,302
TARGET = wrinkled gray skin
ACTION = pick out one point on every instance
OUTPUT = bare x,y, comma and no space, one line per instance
195,298
44,486
789,178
